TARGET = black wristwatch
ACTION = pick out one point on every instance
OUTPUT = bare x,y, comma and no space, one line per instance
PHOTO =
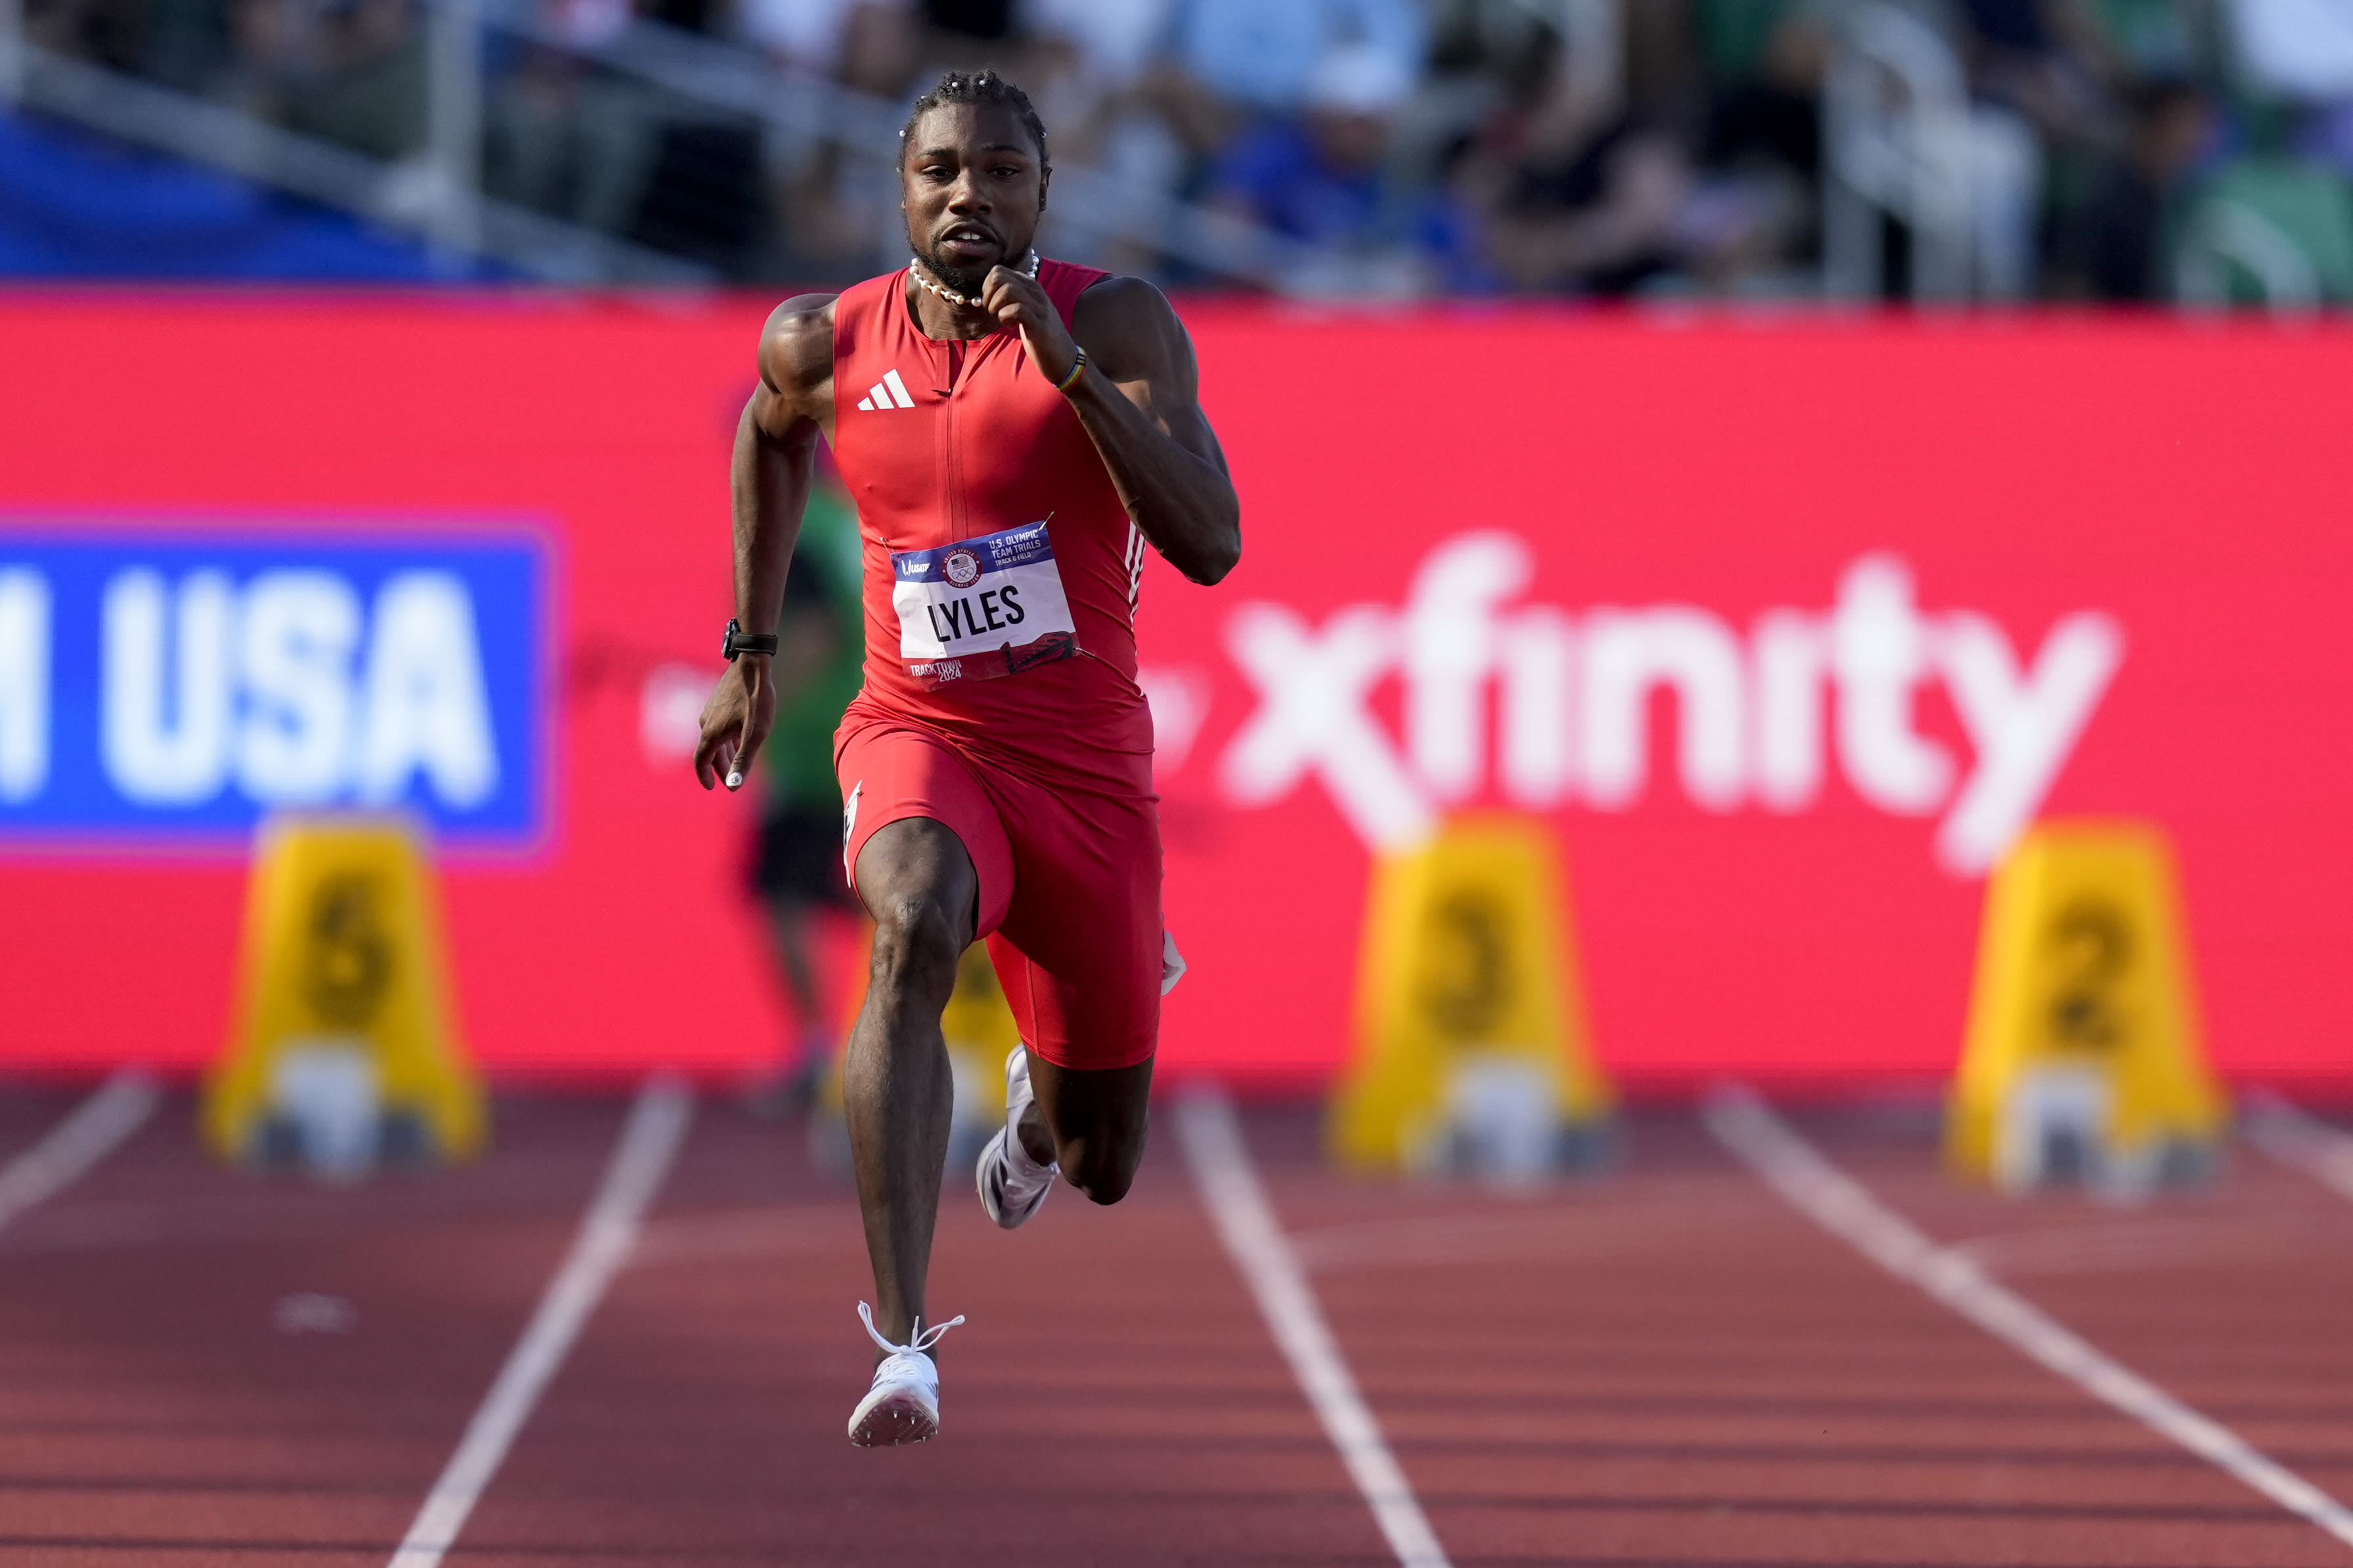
736,642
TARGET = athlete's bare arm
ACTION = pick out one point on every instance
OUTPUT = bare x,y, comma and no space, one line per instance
1140,400
775,446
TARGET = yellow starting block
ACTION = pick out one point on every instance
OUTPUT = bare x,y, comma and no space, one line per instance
343,1051
1471,1048
980,1032
2083,1058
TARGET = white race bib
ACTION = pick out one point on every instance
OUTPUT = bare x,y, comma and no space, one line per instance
981,607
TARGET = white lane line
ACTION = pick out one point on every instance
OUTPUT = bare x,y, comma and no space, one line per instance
91,1131
1246,1223
641,1157
2301,1142
1744,1125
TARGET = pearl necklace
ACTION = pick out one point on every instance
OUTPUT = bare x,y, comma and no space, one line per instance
915,270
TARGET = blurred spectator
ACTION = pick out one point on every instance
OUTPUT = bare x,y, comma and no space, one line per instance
1112,42
980,21
870,45
1087,62
1483,55
832,206
688,15
2119,239
1600,220
2301,51
705,197
351,73
1316,175
1262,55
92,30
1091,69
587,24
565,138
184,43
1594,188
2143,41
1764,70
2043,60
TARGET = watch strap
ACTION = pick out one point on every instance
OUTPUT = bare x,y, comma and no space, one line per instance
738,640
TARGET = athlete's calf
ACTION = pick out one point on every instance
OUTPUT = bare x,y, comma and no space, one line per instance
898,1090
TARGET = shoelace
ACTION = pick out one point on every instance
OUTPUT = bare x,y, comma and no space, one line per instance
913,1351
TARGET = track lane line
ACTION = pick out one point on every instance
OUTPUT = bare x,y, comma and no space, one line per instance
641,1157
89,1132
1741,1121
1246,1221
2301,1142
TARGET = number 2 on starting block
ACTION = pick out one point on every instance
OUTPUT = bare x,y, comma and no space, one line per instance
2083,1058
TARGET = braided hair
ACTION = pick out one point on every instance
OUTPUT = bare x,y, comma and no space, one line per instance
978,86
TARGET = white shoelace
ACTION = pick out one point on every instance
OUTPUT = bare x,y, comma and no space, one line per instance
908,1359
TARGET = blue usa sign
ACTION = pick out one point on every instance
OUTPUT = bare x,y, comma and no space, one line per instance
179,686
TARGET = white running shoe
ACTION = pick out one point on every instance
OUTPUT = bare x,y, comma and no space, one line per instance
904,1405
1013,1186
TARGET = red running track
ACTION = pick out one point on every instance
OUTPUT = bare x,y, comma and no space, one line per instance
1664,1365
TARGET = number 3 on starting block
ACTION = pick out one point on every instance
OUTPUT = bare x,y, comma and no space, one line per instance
1471,1038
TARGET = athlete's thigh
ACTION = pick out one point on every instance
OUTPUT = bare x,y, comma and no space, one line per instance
1107,1107
892,774
1079,951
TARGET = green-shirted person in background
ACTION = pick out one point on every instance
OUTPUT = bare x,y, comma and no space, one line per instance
796,869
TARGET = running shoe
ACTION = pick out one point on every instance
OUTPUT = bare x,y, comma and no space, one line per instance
904,1405
1013,1186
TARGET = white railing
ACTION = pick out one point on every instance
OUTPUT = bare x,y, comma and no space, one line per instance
12,51
1895,122
411,194
2226,233
453,123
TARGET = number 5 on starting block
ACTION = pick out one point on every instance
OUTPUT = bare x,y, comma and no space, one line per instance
343,1051
1471,1037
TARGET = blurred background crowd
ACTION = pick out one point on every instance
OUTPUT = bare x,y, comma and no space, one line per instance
2198,152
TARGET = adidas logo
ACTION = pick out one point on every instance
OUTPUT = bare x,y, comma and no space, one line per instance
886,392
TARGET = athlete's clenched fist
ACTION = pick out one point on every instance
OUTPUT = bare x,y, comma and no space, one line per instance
1019,302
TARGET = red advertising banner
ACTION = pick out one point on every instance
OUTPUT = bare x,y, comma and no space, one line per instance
1788,626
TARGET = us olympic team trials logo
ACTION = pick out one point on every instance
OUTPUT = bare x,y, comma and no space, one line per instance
962,567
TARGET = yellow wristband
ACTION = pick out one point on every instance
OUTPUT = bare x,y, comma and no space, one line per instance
1078,368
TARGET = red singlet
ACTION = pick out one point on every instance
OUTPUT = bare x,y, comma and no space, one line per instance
1000,696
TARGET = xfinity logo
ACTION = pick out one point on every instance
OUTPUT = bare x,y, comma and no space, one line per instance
178,683
1761,712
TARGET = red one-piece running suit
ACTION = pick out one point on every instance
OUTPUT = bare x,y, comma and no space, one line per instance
1001,572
